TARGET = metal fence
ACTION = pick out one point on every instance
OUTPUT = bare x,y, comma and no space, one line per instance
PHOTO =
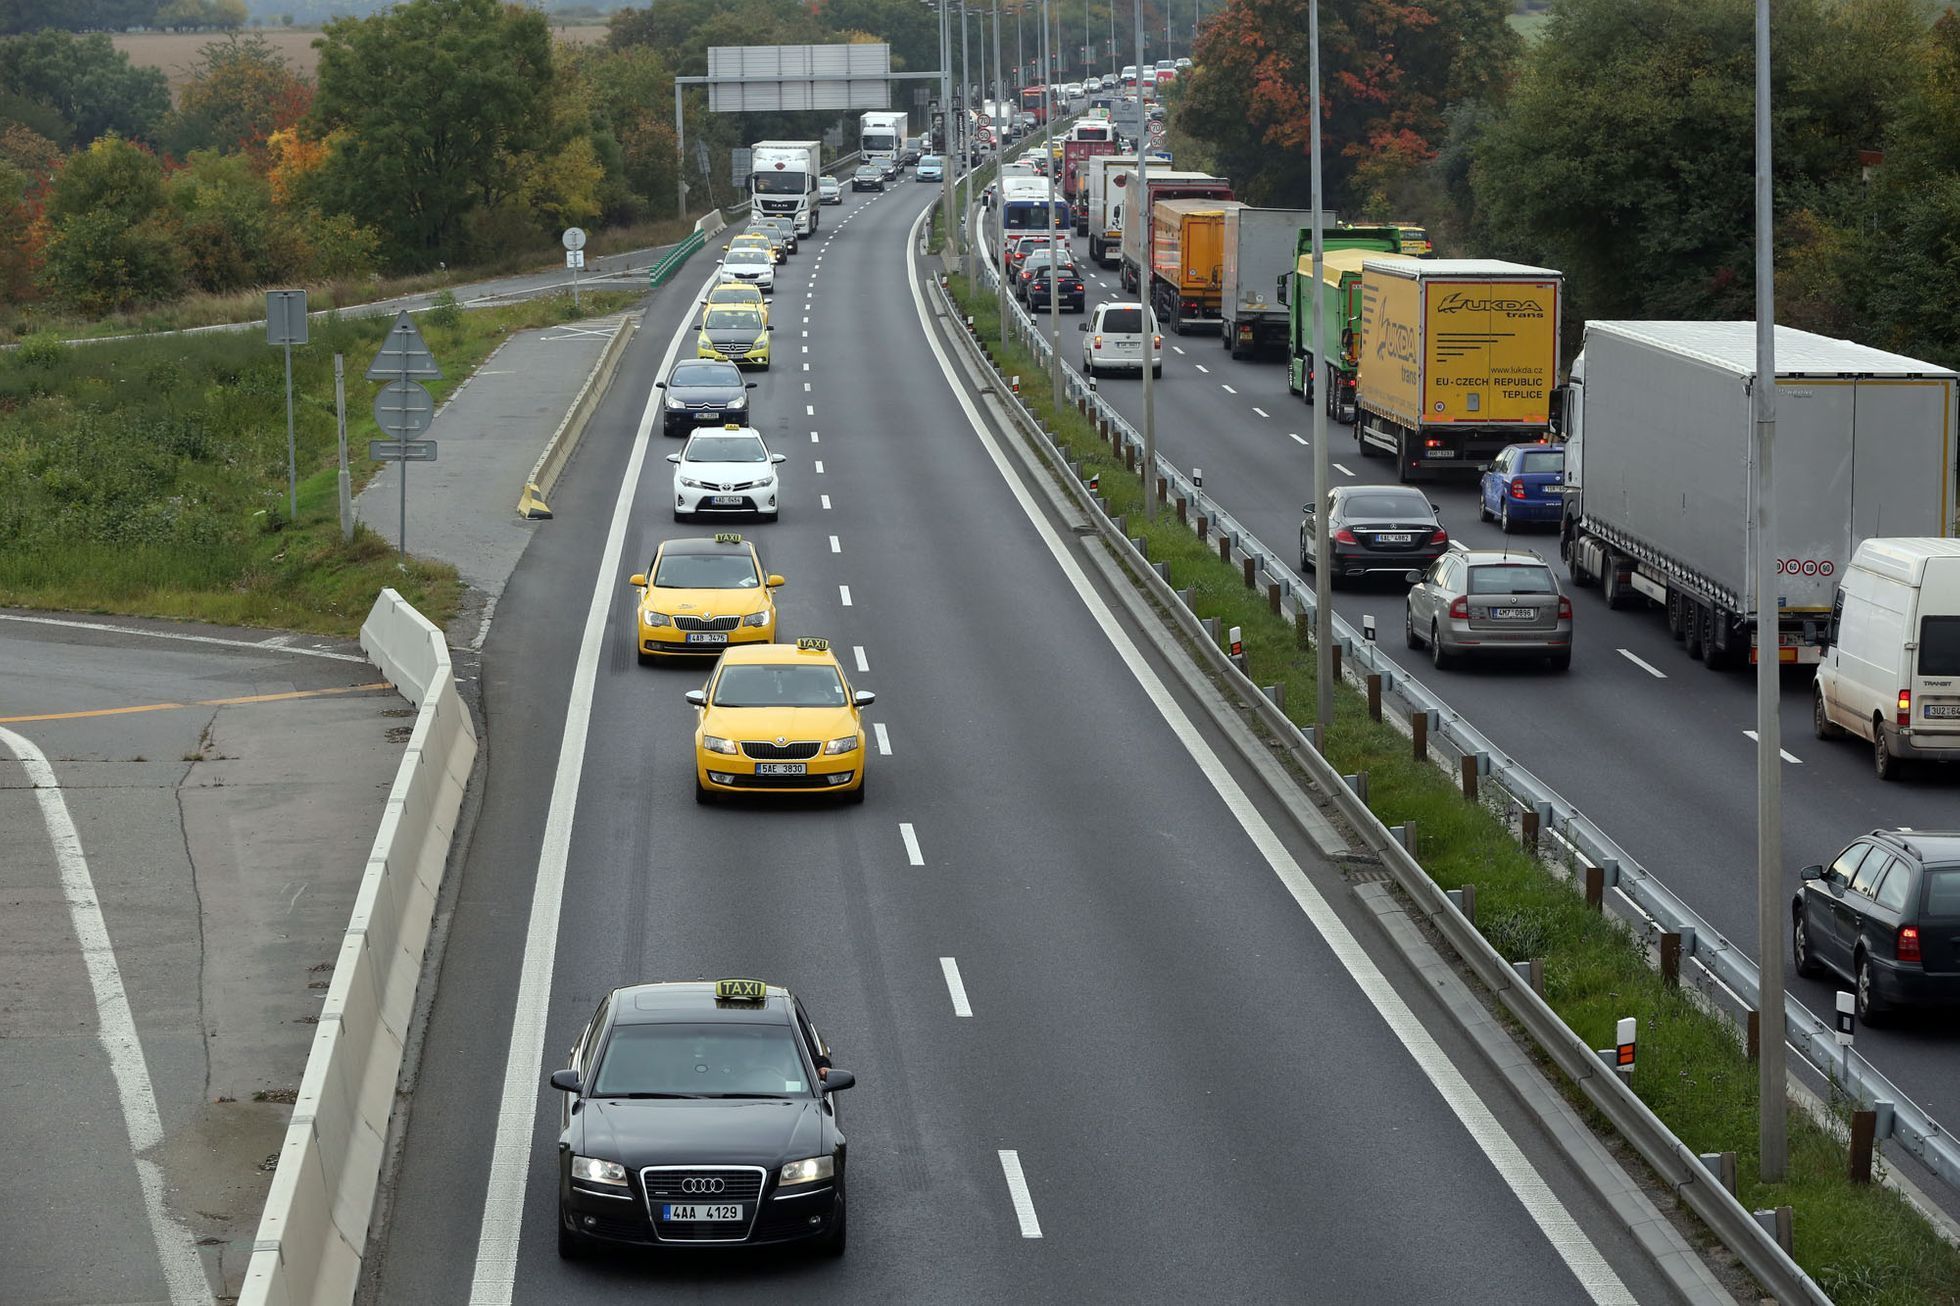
1900,1119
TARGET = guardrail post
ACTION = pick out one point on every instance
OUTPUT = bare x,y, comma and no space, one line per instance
1272,597
1595,888
1204,529
1754,1039
1778,1225
1671,959
1528,831
1358,782
1245,566
1336,651
1418,729
1532,972
1211,625
1129,458
1277,693
1864,1128
1374,696
1467,772
1163,489
1182,510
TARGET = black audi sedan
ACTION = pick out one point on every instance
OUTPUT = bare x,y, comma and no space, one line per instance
704,393
1884,915
699,1114
868,177
1376,529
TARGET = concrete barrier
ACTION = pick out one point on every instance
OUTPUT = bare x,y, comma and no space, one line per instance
558,449
314,1230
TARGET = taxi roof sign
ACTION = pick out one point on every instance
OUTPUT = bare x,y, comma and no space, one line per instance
741,990
811,644
727,537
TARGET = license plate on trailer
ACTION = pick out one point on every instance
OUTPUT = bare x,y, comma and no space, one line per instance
716,637
726,500
781,768
1513,614
1943,711
1433,454
1394,539
675,1214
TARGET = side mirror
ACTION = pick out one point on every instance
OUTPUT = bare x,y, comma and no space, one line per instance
750,385
863,698
638,580
730,243
698,697
566,1081
1811,873
778,457
662,385
1435,507
1413,577
769,328
1081,326
673,457
775,581
836,1081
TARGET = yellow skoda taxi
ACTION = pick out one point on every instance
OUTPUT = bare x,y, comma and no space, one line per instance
779,718
732,293
701,596
734,332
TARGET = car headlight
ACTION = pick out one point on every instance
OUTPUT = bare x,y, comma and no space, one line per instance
693,484
765,482
675,405
716,744
653,618
807,1171
739,401
761,342
594,1171
847,744
757,618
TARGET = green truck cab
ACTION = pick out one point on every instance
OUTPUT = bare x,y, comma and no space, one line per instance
1342,248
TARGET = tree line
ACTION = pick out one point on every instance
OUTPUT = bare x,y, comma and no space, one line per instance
1618,146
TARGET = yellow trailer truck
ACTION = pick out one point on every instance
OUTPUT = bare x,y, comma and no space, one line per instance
1187,261
1458,358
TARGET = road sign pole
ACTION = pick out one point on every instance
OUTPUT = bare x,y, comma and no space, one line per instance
402,534
292,450
340,428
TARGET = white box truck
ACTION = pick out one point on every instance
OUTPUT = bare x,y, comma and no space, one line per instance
1108,175
783,181
881,137
1259,247
1658,499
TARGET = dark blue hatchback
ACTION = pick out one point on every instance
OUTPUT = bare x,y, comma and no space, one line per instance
1523,484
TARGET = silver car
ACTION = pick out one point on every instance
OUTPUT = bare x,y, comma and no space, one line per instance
1489,603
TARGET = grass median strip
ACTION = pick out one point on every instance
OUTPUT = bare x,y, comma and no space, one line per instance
148,477
1862,1243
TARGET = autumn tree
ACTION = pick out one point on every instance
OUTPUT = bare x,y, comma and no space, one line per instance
19,243
111,242
240,91
434,105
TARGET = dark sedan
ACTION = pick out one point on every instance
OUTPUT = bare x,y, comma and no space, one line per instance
699,1114
703,393
1376,529
868,177
1073,297
1885,915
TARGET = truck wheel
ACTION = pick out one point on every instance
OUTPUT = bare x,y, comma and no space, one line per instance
1714,654
1821,724
1292,382
1617,595
1692,628
1677,624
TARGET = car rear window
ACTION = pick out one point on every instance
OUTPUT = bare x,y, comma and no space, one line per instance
1939,646
1541,460
1123,321
1942,895
1510,578
1413,506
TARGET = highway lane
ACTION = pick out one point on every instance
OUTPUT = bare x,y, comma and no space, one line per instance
1202,1102
1648,743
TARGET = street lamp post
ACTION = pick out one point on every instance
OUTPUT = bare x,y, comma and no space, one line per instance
966,148
1000,147
1138,211
946,122
1054,241
1323,603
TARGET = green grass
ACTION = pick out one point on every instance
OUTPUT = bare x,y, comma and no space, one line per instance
1864,1244
148,477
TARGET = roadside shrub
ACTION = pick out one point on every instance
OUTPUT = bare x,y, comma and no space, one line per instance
42,350
446,313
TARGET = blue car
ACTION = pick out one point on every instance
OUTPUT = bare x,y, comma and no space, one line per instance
1523,484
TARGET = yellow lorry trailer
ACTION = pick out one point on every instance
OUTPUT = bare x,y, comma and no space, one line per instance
1187,260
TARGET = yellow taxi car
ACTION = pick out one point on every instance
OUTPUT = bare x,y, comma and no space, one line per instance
757,240
734,332
734,293
779,718
702,596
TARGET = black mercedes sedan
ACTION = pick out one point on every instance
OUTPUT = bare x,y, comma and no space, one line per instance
704,393
1375,529
699,1114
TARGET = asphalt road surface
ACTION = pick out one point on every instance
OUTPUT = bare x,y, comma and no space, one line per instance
1649,744
1209,1099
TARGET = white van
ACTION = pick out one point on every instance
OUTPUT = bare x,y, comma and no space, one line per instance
1892,672
1114,340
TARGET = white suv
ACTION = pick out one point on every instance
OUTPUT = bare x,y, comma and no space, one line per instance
1113,340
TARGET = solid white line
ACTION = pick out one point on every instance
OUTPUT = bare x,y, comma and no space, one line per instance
1540,1203
844,593
884,740
1788,756
954,986
1226,388
819,463
912,853
1295,438
258,645
1644,665
1262,412
183,1272
495,1276
1017,1192
826,501
835,547
1342,470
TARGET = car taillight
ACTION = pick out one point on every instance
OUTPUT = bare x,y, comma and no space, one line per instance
1095,342
1517,489
1909,943
1460,608
1905,708
1345,536
1564,608
1156,342
1440,537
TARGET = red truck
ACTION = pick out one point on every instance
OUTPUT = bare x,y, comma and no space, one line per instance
1075,179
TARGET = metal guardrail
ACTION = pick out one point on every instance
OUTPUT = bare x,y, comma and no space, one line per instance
671,261
1720,960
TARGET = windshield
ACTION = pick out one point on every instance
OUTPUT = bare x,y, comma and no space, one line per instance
751,685
725,449
871,141
701,1061
1512,579
732,319
781,183
1123,321
706,571
1386,505
1939,646
869,170
1541,460
745,257
929,161
717,374
1023,214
